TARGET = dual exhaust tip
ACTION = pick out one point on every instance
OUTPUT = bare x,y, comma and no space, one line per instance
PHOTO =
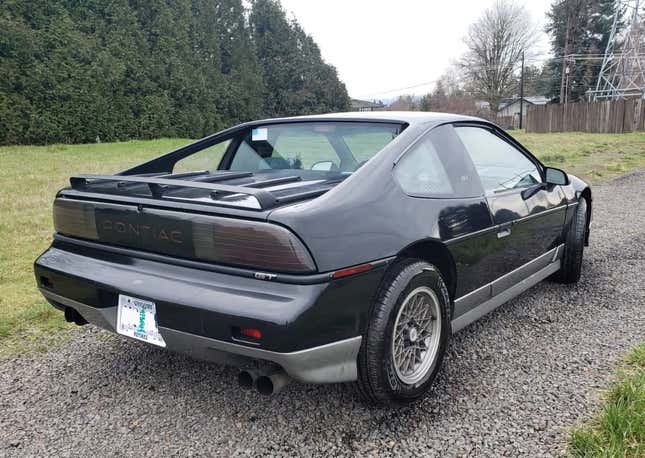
72,316
266,383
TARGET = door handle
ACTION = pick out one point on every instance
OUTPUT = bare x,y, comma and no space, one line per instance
504,232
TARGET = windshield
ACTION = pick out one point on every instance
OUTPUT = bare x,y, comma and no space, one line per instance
320,146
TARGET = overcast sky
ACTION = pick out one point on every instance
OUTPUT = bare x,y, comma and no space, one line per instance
379,46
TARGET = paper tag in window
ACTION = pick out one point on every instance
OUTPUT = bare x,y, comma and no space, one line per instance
259,134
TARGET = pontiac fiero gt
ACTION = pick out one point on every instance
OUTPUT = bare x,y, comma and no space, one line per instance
332,248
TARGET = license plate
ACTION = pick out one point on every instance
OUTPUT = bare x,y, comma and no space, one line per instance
137,318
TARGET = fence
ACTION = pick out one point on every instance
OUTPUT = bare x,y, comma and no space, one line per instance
603,117
508,122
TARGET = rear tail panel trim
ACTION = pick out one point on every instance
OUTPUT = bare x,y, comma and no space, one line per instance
228,241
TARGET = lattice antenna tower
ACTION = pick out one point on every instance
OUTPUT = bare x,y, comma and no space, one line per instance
622,74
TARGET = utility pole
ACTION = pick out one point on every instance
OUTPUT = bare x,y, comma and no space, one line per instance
522,91
566,86
566,51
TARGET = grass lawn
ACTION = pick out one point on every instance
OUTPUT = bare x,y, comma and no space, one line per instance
31,175
29,179
619,429
592,157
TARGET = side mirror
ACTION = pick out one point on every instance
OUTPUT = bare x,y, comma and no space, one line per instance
323,166
556,176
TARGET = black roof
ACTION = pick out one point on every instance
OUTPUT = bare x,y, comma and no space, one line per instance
155,177
409,117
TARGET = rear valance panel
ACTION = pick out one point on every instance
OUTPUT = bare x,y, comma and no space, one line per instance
209,238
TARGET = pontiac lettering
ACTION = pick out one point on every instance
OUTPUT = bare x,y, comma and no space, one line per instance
143,231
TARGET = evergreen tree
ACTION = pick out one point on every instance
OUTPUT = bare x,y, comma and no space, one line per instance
425,102
120,69
578,28
297,79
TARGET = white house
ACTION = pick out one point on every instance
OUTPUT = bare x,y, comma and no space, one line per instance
511,107
365,105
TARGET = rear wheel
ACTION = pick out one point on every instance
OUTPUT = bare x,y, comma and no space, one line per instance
407,335
574,246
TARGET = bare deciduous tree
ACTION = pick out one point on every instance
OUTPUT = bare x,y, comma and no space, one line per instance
495,44
404,103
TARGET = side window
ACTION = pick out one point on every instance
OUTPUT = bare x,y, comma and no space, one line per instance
499,165
421,172
206,159
364,144
246,158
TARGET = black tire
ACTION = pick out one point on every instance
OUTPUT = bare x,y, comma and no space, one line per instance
378,381
574,246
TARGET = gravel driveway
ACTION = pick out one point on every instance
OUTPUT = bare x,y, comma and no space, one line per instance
512,384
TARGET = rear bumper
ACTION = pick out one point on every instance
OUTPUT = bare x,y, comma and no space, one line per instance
311,330
330,363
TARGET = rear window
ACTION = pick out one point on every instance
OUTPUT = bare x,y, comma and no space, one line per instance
318,146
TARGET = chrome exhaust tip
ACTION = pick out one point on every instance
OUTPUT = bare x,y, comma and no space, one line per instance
246,379
272,383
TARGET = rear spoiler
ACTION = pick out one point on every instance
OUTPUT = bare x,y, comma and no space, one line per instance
157,186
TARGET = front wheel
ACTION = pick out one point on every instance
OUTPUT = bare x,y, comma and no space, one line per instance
406,336
571,267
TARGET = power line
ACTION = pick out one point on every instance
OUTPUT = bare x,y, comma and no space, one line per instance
590,60
623,74
398,90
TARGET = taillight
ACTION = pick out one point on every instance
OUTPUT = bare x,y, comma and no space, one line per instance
253,244
75,218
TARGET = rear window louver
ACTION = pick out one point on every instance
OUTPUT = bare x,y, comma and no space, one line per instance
158,186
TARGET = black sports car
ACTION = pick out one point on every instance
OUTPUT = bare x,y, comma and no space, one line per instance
334,248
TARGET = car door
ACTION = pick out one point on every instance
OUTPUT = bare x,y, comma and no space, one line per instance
438,174
528,213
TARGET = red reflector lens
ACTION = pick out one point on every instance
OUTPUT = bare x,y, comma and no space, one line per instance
352,270
250,332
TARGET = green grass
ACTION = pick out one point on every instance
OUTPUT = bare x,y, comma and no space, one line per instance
29,179
31,175
593,157
619,429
